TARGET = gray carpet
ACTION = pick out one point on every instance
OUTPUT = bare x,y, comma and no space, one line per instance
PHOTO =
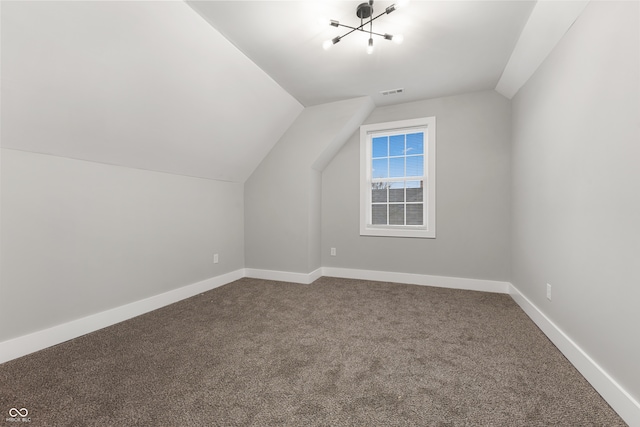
335,353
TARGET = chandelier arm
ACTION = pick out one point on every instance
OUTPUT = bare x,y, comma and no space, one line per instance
373,19
359,29
362,25
349,32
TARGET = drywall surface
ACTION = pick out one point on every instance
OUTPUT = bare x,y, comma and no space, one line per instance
282,197
143,84
79,237
472,192
548,22
576,187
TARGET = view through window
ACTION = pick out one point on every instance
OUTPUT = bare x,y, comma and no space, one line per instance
398,178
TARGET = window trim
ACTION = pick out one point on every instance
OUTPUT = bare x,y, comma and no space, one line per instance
421,231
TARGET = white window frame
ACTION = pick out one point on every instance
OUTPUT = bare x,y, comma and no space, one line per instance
367,132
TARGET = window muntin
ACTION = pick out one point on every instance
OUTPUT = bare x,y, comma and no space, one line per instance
398,178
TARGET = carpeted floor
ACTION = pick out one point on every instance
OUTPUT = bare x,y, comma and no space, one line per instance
335,353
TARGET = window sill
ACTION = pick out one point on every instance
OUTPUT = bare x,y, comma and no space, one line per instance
400,231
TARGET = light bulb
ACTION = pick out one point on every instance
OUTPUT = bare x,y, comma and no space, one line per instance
370,47
327,44
398,38
402,3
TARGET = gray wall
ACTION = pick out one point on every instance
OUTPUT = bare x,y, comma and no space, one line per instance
282,197
472,208
81,237
576,187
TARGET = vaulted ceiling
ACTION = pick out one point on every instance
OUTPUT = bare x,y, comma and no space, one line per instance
449,47
143,84
207,88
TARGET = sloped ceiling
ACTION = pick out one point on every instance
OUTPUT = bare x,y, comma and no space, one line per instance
449,47
149,85
207,88
547,24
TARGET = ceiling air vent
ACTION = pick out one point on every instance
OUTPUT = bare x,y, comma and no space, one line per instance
392,91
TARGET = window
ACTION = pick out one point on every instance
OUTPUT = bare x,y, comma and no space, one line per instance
397,178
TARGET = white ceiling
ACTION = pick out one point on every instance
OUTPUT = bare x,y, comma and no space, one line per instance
449,47
143,84
152,85
547,24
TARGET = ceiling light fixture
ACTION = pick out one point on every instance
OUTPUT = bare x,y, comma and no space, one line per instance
364,11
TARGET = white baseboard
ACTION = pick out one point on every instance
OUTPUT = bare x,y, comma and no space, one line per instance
617,397
419,279
23,345
284,276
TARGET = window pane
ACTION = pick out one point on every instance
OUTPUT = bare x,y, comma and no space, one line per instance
414,194
415,143
396,195
380,147
415,165
380,168
379,214
396,167
396,180
414,214
378,193
396,145
396,214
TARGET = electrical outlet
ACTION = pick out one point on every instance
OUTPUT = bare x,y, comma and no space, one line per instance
549,292
215,258
333,251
